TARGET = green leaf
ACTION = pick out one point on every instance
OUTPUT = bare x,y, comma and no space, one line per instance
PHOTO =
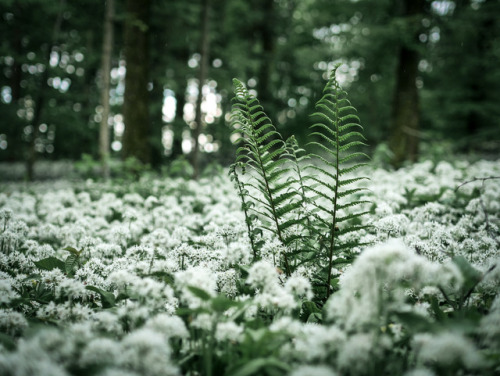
7,342
413,321
471,275
316,318
200,293
221,303
257,367
438,312
73,251
107,298
50,263
70,263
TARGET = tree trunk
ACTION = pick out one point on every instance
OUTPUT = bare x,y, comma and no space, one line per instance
107,50
202,76
40,101
178,124
136,96
404,136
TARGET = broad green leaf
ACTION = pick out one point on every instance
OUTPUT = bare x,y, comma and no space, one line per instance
72,250
70,263
257,367
50,263
471,275
221,303
200,293
107,298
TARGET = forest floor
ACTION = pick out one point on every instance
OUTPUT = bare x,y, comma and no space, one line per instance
156,277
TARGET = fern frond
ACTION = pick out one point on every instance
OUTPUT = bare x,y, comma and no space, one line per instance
263,150
335,136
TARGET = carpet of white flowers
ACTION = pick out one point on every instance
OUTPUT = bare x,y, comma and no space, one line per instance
156,277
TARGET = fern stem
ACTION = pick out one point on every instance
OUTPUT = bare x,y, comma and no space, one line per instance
268,190
273,208
244,206
334,214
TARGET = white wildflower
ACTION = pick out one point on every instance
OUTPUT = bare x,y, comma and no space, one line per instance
228,331
319,370
262,274
170,326
299,287
12,322
420,372
447,349
100,351
148,353
315,342
7,293
375,284
198,277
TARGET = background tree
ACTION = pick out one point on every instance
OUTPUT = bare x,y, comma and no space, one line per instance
282,49
404,136
202,77
107,51
136,97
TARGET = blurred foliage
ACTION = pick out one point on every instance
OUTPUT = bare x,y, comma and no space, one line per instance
282,49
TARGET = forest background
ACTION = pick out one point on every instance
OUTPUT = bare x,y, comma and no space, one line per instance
121,79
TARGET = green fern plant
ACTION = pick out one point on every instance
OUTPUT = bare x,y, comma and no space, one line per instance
263,152
306,206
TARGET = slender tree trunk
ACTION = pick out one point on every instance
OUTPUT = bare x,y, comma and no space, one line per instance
15,79
107,50
179,124
202,76
40,101
136,96
404,137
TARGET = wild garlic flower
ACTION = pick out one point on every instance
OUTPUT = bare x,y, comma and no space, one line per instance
262,275
490,325
318,370
228,331
199,277
375,284
148,353
170,326
72,289
313,342
100,352
299,287
447,349
12,322
7,293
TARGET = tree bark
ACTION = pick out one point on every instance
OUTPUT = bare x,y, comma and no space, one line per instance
202,77
107,50
136,96
404,138
178,124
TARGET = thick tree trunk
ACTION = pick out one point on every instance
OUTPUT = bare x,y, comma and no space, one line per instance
202,77
107,50
404,137
136,96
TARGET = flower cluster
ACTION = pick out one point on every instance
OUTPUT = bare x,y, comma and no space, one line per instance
159,278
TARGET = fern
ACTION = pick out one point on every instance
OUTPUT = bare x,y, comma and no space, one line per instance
263,152
245,206
301,205
339,128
